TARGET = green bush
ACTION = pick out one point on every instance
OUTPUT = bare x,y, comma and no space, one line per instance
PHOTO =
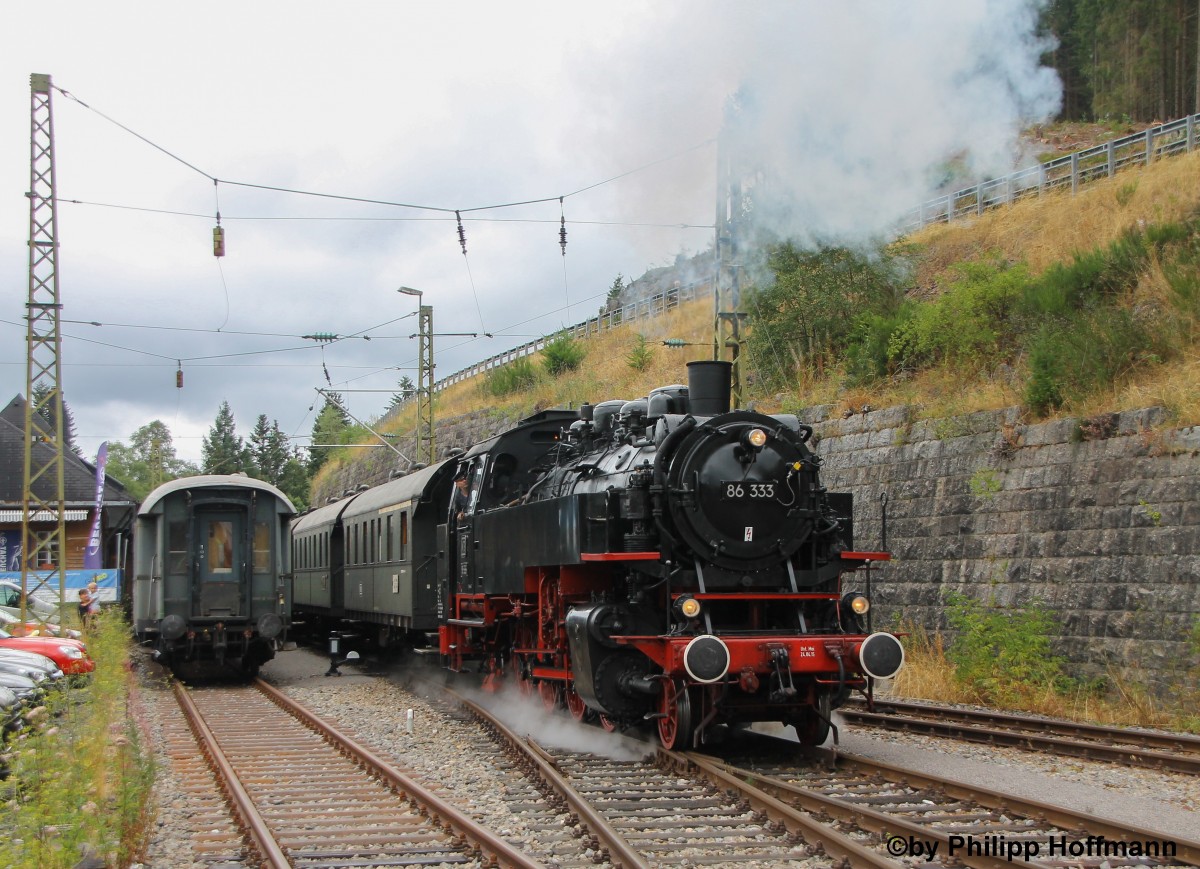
516,376
970,324
562,354
1001,654
802,320
866,354
1085,352
641,355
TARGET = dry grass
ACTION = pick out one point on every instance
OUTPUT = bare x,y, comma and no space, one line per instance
929,675
1052,227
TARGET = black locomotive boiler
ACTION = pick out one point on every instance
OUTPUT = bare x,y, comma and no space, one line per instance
663,559
211,564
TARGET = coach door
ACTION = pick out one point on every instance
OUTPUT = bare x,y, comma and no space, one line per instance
221,560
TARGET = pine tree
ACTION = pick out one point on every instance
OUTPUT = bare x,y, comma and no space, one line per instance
268,448
46,412
332,423
222,451
295,482
407,390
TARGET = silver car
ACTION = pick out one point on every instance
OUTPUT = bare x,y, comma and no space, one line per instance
27,690
40,608
33,660
22,668
10,709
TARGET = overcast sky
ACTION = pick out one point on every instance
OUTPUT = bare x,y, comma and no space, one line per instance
448,106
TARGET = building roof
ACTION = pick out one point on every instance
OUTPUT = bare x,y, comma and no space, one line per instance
79,476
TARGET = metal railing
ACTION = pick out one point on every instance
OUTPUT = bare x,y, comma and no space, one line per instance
1071,170
651,306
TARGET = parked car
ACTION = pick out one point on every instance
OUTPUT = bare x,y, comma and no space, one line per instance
27,690
70,655
24,668
10,711
33,659
12,624
10,602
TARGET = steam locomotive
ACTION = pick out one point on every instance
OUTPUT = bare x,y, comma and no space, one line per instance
211,561
660,560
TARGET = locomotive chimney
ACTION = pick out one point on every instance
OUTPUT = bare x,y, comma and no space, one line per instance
708,387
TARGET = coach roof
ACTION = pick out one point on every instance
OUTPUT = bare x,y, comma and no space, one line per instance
212,481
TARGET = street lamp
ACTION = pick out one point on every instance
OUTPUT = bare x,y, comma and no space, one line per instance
425,436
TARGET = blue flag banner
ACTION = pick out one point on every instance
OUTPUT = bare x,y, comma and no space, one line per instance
91,555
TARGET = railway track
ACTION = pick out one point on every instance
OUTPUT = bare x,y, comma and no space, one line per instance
665,812
755,805
307,795
924,816
1162,751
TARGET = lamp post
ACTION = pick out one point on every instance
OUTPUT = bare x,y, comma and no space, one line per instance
425,438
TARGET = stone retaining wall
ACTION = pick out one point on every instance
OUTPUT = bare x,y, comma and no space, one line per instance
1099,519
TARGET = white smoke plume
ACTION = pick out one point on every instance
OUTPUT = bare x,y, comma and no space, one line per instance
854,112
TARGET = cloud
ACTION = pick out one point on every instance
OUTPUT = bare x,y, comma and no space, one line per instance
849,110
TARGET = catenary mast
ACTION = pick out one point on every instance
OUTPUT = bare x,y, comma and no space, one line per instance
43,552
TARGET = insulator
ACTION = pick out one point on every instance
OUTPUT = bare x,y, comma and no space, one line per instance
179,379
462,234
218,241
675,342
562,236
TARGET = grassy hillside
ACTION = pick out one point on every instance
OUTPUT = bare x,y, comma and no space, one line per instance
1041,242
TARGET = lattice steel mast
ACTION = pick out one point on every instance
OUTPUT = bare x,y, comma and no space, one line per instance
426,447
727,301
43,557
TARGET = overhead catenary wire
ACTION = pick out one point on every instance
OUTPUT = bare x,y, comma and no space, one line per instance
436,213
365,200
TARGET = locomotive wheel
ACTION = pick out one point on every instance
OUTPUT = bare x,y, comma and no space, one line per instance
575,704
811,727
675,725
524,683
550,694
607,723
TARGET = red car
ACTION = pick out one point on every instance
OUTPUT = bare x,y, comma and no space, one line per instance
70,655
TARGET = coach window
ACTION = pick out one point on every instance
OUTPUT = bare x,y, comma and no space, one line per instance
177,557
262,547
387,535
375,540
403,535
220,547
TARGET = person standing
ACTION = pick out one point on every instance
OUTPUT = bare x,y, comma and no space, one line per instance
462,495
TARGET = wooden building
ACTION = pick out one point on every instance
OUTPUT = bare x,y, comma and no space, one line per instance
79,493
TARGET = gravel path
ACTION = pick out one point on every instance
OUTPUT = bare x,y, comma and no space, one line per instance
436,750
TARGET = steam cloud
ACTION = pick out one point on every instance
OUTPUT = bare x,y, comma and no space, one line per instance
856,112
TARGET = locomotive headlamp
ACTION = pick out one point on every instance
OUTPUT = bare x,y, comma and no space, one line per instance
756,438
857,602
687,606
